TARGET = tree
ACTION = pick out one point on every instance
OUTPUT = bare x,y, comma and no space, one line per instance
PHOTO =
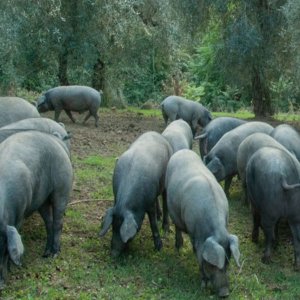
251,52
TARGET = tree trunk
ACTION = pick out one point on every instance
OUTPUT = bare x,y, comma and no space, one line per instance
63,67
260,94
98,75
112,91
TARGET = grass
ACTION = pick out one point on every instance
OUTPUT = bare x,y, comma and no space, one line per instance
85,270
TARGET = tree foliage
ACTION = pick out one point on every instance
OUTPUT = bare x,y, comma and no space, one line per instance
136,50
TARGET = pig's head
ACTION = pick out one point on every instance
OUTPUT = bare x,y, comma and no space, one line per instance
11,246
201,117
43,104
214,259
215,165
124,228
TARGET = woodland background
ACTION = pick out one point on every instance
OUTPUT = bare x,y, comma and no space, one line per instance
227,54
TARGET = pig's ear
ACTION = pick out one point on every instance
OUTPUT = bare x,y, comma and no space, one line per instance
107,221
214,165
234,248
14,244
128,228
213,253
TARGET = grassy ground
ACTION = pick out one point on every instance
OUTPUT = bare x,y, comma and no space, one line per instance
85,270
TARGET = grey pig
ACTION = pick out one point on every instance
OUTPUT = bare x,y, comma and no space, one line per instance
13,109
248,147
288,137
273,187
36,175
214,130
41,124
138,180
71,98
179,134
175,107
221,159
198,206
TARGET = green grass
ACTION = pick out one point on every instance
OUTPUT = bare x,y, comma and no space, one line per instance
288,117
145,112
85,270
242,114
96,173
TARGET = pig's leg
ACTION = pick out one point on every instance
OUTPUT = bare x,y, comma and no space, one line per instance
87,117
295,228
93,112
178,238
165,212
56,114
256,224
268,229
59,206
46,213
68,112
227,185
154,227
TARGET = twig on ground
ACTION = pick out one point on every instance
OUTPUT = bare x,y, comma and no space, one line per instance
89,200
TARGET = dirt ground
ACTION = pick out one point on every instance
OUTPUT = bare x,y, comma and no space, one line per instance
117,130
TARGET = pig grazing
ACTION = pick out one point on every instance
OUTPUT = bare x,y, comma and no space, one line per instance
214,130
71,98
41,124
288,137
13,109
221,160
179,134
36,175
137,182
273,187
174,107
248,147
198,206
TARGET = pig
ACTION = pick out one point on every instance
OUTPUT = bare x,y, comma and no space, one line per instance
175,107
248,147
36,176
273,188
13,109
214,130
198,206
41,124
138,180
71,98
179,134
221,159
288,137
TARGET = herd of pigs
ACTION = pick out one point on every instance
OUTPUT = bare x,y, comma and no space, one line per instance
36,175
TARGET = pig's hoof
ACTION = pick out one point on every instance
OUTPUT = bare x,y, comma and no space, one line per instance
203,284
223,292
